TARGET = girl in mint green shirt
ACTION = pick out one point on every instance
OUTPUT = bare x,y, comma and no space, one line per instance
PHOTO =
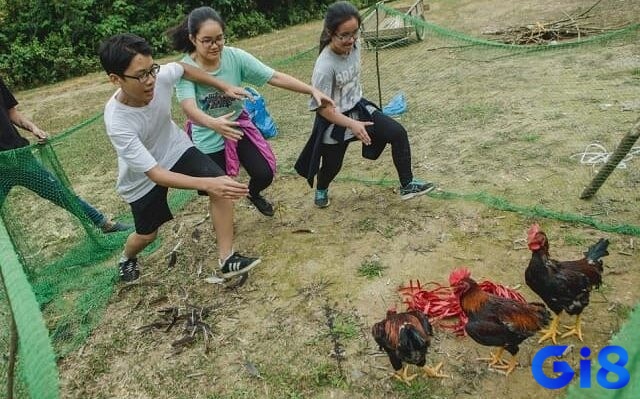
219,125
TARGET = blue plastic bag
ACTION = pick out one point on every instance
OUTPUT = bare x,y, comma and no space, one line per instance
396,106
259,114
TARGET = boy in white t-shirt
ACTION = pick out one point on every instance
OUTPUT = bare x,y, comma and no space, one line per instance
155,154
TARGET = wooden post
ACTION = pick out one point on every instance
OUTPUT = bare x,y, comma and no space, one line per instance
377,52
618,155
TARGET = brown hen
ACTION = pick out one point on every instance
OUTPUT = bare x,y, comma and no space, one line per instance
497,321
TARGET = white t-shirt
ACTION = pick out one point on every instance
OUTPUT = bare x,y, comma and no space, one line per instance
144,137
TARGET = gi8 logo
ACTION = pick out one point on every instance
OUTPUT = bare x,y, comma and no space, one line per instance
567,373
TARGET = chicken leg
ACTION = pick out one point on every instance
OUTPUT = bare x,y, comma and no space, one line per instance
497,362
403,376
434,372
575,330
510,366
552,331
494,359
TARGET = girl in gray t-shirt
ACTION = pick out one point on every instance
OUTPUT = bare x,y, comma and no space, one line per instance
337,74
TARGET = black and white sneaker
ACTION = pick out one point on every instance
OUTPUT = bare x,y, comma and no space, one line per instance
129,270
261,204
238,264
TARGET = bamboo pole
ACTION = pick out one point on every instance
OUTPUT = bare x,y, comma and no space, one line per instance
618,155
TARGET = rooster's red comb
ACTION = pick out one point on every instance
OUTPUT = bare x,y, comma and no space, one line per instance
458,275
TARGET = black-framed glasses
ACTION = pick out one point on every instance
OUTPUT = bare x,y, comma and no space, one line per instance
343,37
143,77
208,41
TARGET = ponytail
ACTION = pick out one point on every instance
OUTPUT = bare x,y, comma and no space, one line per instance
179,37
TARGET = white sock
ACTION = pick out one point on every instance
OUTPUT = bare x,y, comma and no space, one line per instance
123,257
221,261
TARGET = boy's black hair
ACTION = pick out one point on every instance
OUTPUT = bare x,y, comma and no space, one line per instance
117,52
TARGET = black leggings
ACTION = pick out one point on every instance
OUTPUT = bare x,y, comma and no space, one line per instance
384,130
260,173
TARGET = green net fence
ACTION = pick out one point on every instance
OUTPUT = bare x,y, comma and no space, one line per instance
66,257
493,120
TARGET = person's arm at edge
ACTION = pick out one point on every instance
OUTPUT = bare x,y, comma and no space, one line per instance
25,123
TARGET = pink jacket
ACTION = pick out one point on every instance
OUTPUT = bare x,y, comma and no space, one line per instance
252,133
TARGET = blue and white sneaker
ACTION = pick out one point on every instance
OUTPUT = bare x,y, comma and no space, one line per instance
321,199
415,188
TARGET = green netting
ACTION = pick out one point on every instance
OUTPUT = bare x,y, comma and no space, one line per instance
627,338
68,260
479,111
36,355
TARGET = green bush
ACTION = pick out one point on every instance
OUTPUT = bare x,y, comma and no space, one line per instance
44,41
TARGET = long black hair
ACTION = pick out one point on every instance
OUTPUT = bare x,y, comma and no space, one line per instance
179,34
337,13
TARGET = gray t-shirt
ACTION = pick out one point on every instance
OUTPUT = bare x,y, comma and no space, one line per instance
144,137
338,76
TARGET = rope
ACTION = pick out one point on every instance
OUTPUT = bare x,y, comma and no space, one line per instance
595,154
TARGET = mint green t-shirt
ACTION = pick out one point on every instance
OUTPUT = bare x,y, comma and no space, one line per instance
236,67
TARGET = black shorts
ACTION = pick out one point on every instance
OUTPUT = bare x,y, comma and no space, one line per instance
152,210
220,160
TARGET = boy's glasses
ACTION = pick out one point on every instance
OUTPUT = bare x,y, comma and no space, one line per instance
144,76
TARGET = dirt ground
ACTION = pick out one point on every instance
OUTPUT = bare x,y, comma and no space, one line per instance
300,326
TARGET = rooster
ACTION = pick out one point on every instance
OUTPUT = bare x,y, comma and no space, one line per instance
497,321
563,286
406,337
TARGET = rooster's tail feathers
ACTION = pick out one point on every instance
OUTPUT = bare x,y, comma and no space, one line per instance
411,339
597,250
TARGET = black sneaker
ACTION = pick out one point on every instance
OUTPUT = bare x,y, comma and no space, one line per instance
261,204
238,264
129,270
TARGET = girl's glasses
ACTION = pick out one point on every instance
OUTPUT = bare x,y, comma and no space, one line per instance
344,37
208,41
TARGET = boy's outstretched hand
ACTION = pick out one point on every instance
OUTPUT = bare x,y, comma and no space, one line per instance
226,187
